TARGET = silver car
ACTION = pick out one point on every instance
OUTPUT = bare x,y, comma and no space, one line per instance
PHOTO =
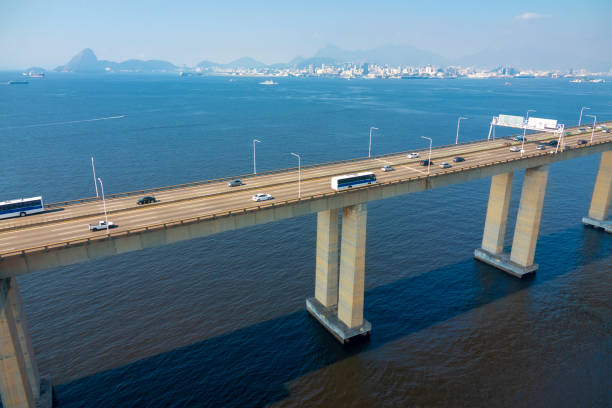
235,183
262,197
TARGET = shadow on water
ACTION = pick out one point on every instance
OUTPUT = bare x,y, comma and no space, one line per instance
250,367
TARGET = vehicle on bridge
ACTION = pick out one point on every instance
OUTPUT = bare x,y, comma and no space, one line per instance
387,168
21,207
515,149
445,165
413,155
146,200
262,197
541,147
553,143
582,142
101,225
352,180
426,162
235,183
458,159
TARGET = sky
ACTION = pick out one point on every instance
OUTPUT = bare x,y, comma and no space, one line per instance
48,33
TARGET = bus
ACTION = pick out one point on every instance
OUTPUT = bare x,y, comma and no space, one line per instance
21,207
352,180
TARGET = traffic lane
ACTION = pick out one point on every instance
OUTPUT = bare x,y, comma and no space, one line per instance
122,203
475,159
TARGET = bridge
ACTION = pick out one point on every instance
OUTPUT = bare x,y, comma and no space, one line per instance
60,236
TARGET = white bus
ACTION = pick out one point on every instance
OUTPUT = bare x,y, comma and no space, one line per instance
352,180
21,207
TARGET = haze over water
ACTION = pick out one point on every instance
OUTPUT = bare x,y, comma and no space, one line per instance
221,321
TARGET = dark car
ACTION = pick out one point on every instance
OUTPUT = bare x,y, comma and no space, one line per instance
426,162
553,143
235,183
146,200
458,159
582,141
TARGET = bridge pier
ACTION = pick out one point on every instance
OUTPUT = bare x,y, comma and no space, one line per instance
338,301
599,212
20,384
519,262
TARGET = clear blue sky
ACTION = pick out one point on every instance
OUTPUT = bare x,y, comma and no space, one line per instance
48,33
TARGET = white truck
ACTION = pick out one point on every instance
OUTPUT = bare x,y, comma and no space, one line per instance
101,225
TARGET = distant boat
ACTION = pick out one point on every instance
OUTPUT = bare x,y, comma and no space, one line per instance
17,82
34,74
268,82
577,81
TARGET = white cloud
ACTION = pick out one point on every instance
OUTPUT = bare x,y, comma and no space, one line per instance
530,16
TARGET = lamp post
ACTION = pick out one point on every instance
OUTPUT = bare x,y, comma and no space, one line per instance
525,130
458,121
104,201
299,174
370,146
581,110
93,169
254,162
428,160
594,122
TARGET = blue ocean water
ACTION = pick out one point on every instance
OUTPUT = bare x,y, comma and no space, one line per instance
221,321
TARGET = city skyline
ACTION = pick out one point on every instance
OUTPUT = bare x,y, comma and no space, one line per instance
40,34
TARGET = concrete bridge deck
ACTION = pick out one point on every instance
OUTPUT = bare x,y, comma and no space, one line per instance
66,225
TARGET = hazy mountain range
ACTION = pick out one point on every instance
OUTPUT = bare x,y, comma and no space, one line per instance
86,60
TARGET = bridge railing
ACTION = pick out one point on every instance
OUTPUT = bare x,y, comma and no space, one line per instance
264,173
255,208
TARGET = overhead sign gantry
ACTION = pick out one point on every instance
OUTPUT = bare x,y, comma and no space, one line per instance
519,122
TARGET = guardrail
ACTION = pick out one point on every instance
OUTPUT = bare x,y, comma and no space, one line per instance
255,208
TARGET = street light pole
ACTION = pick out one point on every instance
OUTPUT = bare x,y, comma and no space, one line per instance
428,160
525,130
581,110
594,122
370,146
299,174
104,201
93,168
458,121
254,162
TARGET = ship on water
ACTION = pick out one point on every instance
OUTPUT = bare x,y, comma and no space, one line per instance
17,82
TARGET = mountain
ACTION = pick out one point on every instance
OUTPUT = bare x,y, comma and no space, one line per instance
246,62
388,54
86,61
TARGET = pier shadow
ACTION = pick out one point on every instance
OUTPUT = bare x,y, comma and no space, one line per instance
250,367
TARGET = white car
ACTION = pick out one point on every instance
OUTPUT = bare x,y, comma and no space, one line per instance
541,147
413,155
445,165
515,149
386,168
101,225
262,197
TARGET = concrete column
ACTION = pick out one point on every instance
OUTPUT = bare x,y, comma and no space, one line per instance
352,265
19,380
326,284
600,203
529,214
497,213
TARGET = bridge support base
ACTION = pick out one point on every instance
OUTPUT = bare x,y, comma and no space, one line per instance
502,261
328,317
604,225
